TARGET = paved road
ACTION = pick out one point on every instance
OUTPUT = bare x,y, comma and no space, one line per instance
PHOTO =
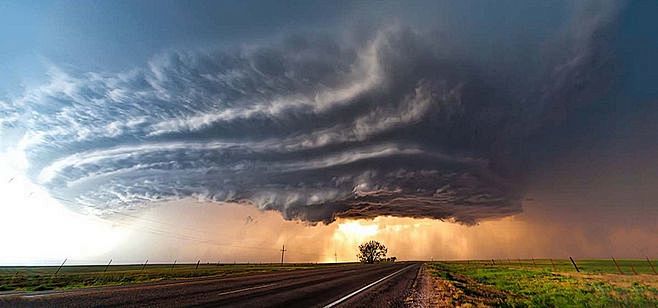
382,285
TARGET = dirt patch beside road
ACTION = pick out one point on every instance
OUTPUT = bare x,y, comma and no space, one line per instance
431,290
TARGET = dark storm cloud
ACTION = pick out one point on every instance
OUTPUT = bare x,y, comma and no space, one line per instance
312,126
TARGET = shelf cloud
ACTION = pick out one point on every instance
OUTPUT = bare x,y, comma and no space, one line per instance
313,125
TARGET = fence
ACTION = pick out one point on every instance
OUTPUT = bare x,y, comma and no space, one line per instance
593,266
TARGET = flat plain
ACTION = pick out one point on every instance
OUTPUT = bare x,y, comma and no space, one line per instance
480,283
41,278
547,283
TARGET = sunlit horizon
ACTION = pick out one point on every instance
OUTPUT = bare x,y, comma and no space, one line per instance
222,131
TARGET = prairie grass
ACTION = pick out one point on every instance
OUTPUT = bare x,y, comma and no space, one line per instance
540,284
40,278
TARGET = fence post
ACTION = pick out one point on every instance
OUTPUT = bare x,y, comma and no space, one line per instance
60,267
574,264
108,265
172,266
552,264
651,264
617,265
197,265
493,262
633,269
144,266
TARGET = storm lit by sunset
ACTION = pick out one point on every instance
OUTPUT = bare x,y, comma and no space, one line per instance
167,132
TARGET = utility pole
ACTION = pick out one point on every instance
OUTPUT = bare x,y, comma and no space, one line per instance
283,251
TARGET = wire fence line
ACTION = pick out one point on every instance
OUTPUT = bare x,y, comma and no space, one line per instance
42,278
611,265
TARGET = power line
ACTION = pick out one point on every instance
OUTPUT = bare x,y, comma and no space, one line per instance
183,236
187,237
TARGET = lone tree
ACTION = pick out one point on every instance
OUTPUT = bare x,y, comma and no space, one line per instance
371,252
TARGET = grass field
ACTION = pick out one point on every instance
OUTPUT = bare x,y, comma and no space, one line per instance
516,283
540,283
38,278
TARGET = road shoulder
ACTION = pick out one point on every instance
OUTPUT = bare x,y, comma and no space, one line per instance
432,290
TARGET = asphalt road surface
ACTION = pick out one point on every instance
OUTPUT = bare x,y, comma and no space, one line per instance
380,285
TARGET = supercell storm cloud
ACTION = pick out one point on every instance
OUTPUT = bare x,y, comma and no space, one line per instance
314,125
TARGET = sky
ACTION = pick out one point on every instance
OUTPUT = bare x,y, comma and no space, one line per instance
170,130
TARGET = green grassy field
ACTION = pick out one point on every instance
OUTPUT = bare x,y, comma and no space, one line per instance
38,278
545,284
